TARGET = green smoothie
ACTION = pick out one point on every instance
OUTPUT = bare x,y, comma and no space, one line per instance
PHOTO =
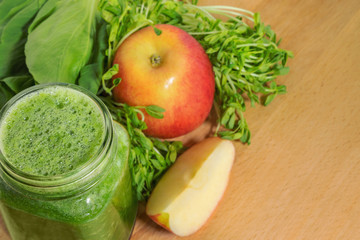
56,132
51,132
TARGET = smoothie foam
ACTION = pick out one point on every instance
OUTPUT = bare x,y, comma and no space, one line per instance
51,131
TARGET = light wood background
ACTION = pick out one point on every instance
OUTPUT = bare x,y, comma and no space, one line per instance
300,177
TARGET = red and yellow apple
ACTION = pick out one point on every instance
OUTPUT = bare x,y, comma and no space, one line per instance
188,193
170,70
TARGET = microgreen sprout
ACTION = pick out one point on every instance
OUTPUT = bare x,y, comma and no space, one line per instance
246,61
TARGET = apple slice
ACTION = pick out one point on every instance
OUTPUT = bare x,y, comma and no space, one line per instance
190,190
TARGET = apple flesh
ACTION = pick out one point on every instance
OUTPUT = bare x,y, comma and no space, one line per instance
170,70
190,190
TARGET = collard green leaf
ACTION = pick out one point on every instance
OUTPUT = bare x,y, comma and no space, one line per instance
60,40
15,17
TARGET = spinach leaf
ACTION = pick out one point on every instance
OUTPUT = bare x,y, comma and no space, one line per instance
18,83
10,86
9,8
60,40
5,94
15,17
90,75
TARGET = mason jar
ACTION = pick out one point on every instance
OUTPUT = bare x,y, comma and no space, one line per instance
93,200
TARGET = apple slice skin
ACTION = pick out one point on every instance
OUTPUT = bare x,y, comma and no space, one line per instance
162,220
183,84
190,190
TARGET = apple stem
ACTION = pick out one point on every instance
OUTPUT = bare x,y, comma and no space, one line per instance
155,60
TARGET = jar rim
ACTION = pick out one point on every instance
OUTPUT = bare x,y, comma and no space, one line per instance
36,181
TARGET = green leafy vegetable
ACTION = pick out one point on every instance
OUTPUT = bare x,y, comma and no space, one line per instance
18,83
246,62
60,40
5,94
15,17
10,86
90,75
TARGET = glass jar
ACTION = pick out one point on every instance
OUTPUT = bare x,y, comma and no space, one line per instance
93,202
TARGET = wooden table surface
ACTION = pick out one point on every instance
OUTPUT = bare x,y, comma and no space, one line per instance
300,177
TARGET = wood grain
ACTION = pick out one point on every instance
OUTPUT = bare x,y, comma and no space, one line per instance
299,178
